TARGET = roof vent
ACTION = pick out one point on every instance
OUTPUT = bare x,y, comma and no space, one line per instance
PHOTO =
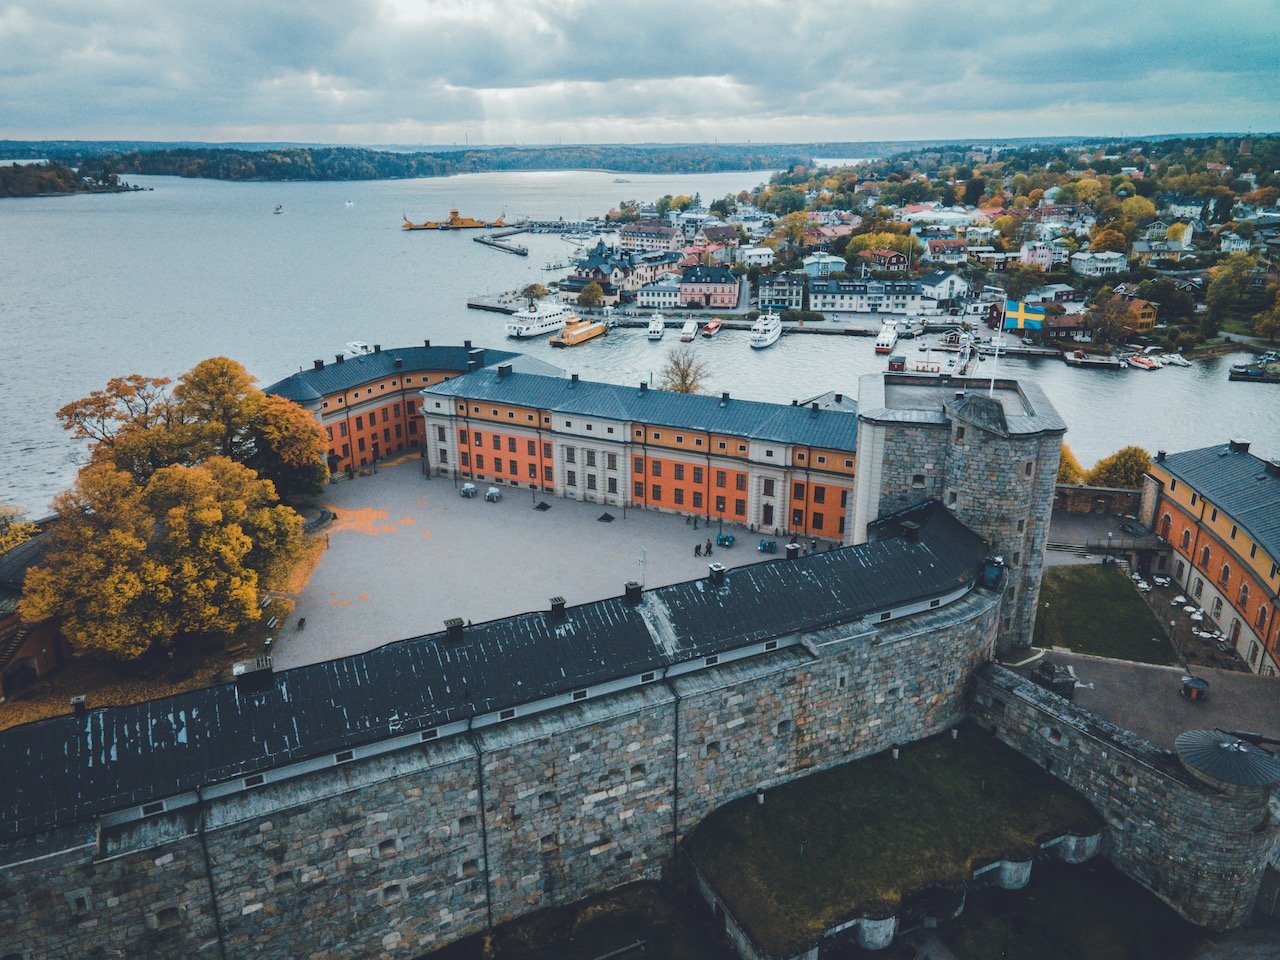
338,358
839,398
632,593
959,394
426,343
911,531
252,674
795,403
503,370
644,387
716,572
1160,456
453,629
377,348
319,364
724,398
793,550
557,609
813,409
78,705
573,378
1239,446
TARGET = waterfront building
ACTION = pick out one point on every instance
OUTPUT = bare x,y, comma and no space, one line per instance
948,250
367,405
823,264
662,294
834,297
711,287
782,291
1219,509
780,468
650,235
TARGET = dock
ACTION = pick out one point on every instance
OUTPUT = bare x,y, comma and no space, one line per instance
1095,361
1253,373
489,241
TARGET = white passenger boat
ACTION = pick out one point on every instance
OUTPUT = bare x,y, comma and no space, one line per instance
538,318
688,331
888,337
766,331
1177,359
657,327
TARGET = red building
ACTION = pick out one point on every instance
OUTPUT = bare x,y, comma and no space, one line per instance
890,260
27,651
711,287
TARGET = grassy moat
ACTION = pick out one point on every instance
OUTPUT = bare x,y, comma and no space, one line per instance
863,835
1095,609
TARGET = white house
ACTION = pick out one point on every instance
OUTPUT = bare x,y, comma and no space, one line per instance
944,285
1232,242
753,256
662,294
1099,264
835,297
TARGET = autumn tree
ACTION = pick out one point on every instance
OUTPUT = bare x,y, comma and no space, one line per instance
15,529
1108,318
534,291
1125,468
1108,239
791,228
133,565
1228,293
592,295
1069,469
1267,323
1020,279
287,448
683,372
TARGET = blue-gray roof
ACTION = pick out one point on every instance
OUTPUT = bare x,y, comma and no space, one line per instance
74,768
1238,483
310,385
773,422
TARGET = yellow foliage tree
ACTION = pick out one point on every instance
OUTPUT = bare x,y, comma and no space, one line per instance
14,529
1124,468
1069,469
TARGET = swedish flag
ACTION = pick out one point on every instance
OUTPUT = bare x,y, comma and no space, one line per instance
1022,316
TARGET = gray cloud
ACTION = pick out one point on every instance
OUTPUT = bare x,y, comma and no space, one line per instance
542,70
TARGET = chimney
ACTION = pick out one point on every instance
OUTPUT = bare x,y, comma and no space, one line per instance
839,398
959,394
644,387
573,379
632,593
319,364
1273,468
793,550
78,705
252,674
795,403
813,409
724,398
503,370
377,348
426,343
399,363
453,629
338,358
466,344
911,531
716,572
1239,446
557,609
1159,456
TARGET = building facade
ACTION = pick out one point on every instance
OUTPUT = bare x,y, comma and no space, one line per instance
650,235
780,469
834,297
711,287
1219,509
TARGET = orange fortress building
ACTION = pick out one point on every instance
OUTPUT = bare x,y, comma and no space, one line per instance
782,469
1219,509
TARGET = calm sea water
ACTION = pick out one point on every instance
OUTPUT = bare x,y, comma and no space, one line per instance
97,286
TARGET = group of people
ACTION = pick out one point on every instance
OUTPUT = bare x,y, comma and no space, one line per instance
702,549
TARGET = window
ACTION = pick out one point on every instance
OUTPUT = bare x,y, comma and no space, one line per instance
697,499
1204,557
768,487
1233,531
638,466
1026,469
591,458
150,809
512,468
647,677
440,434
508,714
342,429
497,464
1022,526
797,518
611,485
470,868
611,461
678,494
1173,485
571,478
797,491
497,441
1217,607
1244,596
679,471
533,471
712,661
253,780
697,474
783,728
1195,498
917,480
722,479
770,645
656,468
579,695
359,422
719,504
466,459
639,490
546,475
844,498
387,848
1199,587
1214,515
1186,539
1261,620
739,508
384,414
591,481
343,756
1225,576
570,456
168,918
511,444
655,492
819,493
740,482
817,521
714,748
959,434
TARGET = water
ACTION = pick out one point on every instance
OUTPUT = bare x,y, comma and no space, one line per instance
97,286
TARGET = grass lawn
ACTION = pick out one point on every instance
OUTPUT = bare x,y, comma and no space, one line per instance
861,836
1089,912
1095,609
650,915
197,662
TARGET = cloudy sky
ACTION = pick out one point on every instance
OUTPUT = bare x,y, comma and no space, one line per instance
524,71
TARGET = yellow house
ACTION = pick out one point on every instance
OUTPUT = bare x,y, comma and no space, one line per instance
1142,315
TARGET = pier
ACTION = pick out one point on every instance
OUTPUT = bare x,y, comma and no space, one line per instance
491,240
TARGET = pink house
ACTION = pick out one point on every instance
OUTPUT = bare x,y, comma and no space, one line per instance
709,287
1037,254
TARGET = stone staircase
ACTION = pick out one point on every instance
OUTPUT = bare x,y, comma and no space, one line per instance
10,646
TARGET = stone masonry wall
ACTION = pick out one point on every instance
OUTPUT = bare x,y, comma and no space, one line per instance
911,451
1202,851
393,856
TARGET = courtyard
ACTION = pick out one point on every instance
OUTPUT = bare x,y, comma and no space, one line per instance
406,553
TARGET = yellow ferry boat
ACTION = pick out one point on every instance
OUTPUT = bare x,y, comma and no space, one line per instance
576,331
455,222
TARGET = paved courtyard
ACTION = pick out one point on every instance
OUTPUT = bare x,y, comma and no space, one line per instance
406,553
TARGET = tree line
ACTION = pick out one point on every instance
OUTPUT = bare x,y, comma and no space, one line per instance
52,177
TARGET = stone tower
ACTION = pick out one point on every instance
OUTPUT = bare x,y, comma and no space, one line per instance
988,451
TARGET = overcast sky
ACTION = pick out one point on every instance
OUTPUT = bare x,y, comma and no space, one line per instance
525,71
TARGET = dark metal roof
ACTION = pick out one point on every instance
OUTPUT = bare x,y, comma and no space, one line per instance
71,768
778,423
984,412
1236,482
1226,757
309,385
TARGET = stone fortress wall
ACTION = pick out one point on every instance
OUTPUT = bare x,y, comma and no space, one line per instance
392,856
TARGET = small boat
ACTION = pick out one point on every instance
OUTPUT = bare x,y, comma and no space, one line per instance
557,265
538,318
1078,358
712,327
1177,359
688,331
279,208
357,348
765,331
888,337
576,331
1143,363
657,327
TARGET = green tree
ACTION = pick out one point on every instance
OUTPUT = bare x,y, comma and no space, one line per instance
1020,279
1108,318
1124,468
683,372
1228,293
974,188
592,295
1175,305
15,529
791,228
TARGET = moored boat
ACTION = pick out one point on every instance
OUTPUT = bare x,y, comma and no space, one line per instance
576,331
888,337
657,327
765,331
1078,358
455,222
1143,363
713,326
538,318
688,331
1176,359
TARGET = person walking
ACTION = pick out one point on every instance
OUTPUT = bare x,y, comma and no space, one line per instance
697,549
